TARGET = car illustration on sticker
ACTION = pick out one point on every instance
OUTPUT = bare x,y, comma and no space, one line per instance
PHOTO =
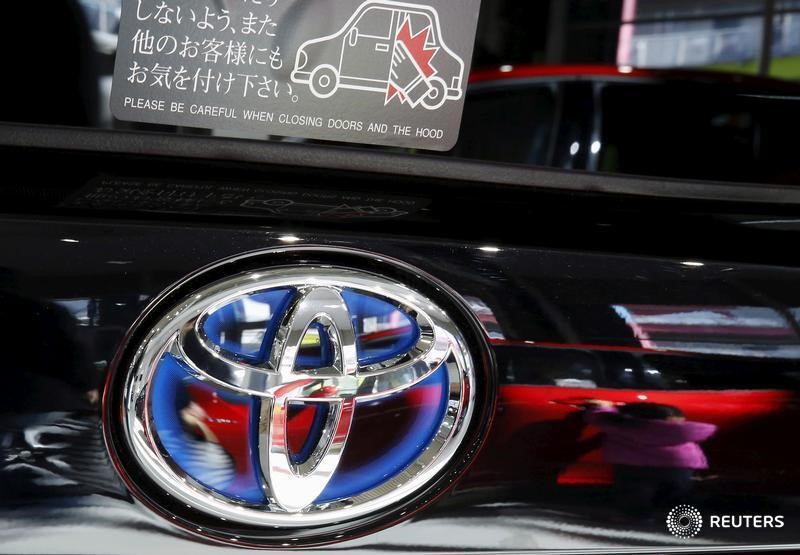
393,48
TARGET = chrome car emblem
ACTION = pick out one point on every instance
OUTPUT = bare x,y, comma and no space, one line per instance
298,396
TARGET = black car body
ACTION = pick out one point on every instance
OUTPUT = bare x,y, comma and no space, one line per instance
578,304
83,260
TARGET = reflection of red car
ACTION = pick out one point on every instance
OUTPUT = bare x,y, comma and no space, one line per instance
686,124
375,425
540,437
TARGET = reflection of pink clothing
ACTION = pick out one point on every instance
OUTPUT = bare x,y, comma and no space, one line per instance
643,442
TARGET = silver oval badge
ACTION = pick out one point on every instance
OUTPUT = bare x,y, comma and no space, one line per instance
298,396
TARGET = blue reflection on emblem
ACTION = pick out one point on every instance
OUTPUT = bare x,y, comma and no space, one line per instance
206,431
246,326
211,434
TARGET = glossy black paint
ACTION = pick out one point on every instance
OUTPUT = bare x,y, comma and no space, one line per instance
190,180
59,488
88,239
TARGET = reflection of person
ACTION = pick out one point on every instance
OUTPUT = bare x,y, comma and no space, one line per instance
196,418
654,449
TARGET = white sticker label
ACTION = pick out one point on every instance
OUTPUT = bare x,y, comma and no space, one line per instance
376,72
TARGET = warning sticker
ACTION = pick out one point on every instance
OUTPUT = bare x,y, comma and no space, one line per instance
267,201
375,72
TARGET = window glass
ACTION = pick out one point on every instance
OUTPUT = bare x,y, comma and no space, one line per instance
731,44
700,132
92,10
514,125
651,9
785,62
694,89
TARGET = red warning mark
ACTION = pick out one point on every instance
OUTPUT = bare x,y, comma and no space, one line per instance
416,45
411,65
